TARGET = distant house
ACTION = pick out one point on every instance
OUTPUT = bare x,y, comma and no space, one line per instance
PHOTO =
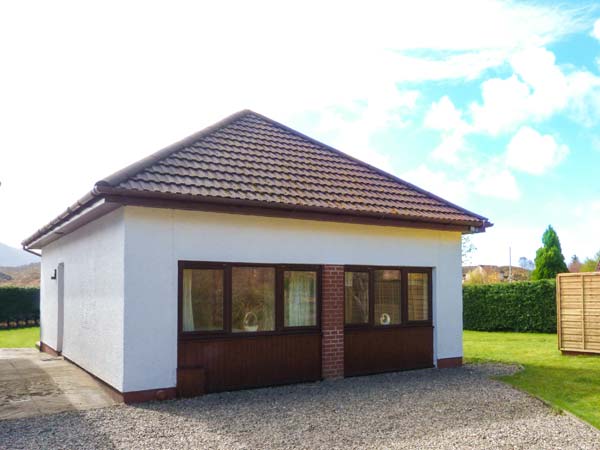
494,274
248,255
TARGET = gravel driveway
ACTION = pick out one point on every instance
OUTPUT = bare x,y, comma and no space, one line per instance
426,409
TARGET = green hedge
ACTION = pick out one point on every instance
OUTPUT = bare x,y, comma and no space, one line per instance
523,306
18,303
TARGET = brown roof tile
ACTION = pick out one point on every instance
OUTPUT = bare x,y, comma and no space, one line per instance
248,157
254,158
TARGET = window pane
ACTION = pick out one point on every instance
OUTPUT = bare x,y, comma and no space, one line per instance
418,296
253,299
299,298
202,300
387,297
357,297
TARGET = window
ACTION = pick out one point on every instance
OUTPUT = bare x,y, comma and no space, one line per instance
202,300
418,296
388,297
224,298
357,297
299,298
253,299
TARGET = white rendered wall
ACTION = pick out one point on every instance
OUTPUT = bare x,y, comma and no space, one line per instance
93,258
156,239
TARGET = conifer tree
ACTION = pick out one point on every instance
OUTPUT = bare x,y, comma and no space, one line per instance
549,260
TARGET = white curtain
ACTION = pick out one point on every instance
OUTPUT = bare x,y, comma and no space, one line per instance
300,300
188,313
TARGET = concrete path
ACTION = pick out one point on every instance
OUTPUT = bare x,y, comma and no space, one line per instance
34,383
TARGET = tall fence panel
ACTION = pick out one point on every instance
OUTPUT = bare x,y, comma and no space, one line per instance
578,312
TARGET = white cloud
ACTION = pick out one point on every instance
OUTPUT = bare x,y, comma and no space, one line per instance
504,105
537,90
444,116
531,152
492,180
448,150
596,29
352,125
487,180
438,183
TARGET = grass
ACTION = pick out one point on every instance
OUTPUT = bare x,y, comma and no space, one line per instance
570,383
19,337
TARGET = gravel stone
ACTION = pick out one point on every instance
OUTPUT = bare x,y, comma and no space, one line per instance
426,409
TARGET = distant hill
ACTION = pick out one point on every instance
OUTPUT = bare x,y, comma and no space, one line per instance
23,276
12,257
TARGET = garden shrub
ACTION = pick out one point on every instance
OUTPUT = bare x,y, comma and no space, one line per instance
18,303
522,306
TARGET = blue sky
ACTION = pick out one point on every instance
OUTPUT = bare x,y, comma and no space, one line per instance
491,104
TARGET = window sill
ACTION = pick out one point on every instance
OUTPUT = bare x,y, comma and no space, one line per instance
246,335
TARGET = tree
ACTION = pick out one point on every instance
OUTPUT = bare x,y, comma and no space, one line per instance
525,263
467,249
590,264
549,260
575,264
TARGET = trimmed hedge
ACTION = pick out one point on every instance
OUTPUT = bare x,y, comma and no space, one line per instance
522,306
17,303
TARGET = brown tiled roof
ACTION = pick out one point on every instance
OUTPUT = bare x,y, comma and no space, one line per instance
252,160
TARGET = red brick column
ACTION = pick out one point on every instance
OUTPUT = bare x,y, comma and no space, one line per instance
332,322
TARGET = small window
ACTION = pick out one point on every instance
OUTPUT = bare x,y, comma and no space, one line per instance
357,297
202,300
299,298
418,296
388,297
253,299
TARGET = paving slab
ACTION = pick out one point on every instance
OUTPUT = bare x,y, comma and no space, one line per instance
34,383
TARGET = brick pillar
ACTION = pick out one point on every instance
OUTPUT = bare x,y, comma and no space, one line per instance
332,322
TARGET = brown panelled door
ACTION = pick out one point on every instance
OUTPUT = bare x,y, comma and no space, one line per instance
247,325
388,319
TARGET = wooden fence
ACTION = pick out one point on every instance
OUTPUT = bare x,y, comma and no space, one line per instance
578,312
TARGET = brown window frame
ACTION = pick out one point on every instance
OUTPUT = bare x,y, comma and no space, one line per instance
404,322
227,299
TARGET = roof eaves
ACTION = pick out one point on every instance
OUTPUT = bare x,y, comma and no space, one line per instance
75,208
112,192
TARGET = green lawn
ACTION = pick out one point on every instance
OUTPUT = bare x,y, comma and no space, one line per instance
19,337
571,383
